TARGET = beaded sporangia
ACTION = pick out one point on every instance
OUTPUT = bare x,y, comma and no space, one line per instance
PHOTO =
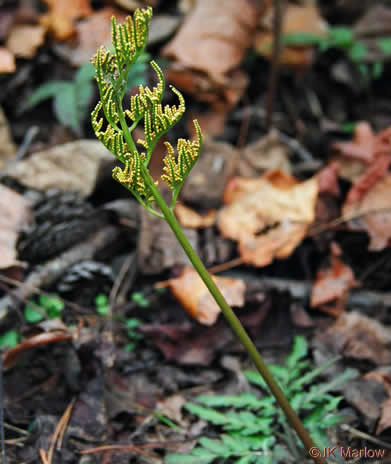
111,71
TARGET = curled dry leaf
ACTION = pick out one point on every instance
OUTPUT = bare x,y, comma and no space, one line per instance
72,166
355,156
14,212
363,145
62,15
333,284
214,36
193,294
189,218
24,40
296,20
92,32
357,336
269,216
7,61
11,356
368,203
328,179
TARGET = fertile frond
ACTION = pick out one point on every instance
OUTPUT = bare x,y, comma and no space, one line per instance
111,138
146,98
176,170
130,176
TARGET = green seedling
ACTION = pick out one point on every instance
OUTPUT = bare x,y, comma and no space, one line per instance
139,299
248,424
114,125
48,307
102,305
9,339
343,38
134,336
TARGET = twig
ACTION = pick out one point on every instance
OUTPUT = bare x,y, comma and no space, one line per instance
275,64
358,433
31,133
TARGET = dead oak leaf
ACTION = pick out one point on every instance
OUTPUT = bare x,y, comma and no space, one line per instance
269,216
25,39
370,208
214,36
62,15
193,294
7,61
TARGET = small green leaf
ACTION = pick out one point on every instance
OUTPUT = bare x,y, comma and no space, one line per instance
189,459
207,414
216,447
9,339
358,51
341,36
101,300
45,91
33,315
66,108
103,310
139,298
133,323
384,43
86,72
301,39
299,351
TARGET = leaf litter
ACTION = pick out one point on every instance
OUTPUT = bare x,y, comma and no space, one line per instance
251,189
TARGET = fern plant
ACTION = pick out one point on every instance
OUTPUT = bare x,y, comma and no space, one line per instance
72,98
113,125
253,430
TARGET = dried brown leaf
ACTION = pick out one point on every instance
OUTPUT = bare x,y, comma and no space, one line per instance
214,36
269,216
24,40
357,336
369,202
14,212
62,15
72,166
7,61
193,294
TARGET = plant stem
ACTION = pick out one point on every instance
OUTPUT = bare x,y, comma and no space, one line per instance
232,319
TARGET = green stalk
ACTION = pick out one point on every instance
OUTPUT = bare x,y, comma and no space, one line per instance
232,320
